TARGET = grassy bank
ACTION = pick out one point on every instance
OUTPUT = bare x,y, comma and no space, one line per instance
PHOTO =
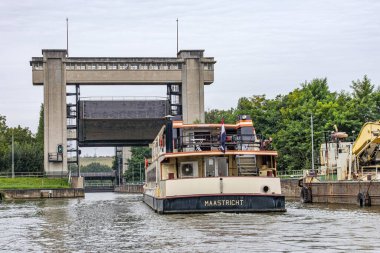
33,183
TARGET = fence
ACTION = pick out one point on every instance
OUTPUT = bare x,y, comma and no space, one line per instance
290,174
22,174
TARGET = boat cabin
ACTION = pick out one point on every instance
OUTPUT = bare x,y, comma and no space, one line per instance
182,151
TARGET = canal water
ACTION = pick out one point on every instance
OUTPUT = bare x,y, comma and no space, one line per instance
111,222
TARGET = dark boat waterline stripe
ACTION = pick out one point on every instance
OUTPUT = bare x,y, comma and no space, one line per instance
217,195
209,204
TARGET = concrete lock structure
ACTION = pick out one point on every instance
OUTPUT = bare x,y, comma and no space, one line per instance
190,70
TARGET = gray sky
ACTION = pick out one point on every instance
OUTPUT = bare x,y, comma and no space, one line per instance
261,47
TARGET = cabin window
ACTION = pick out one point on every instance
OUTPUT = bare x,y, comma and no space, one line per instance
91,66
207,66
101,67
38,66
153,66
151,175
173,66
143,67
123,66
112,66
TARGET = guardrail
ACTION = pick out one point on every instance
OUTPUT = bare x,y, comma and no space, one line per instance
297,173
290,174
89,184
135,183
98,174
122,98
22,174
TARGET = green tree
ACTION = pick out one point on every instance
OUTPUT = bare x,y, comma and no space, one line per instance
28,152
40,130
362,88
216,116
286,118
365,100
95,167
136,164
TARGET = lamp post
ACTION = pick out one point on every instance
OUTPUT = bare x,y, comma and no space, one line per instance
140,172
312,144
13,156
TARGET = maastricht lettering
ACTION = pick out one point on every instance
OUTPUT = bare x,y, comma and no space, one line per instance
224,202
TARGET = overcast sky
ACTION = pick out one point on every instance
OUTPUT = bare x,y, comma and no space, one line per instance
261,47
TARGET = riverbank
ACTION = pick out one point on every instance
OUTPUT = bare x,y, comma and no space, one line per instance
33,183
130,188
11,194
39,187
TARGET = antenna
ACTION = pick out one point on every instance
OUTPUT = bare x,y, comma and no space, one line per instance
67,36
177,35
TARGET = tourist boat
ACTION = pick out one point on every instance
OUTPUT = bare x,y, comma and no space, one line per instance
212,168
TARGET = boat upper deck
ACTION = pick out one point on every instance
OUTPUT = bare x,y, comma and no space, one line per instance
177,139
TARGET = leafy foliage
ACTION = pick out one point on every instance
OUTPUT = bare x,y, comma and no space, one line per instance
136,164
286,118
28,151
95,167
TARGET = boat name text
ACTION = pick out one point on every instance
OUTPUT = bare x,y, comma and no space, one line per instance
224,202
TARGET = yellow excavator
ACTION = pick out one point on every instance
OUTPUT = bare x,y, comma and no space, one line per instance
350,161
366,150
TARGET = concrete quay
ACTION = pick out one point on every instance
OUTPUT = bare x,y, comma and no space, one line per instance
13,194
337,192
130,188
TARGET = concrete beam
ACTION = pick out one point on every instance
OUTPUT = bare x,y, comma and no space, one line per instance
124,71
54,70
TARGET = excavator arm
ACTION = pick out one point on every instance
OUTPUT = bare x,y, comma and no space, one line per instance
368,138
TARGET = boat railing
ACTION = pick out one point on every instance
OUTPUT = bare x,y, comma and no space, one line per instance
205,142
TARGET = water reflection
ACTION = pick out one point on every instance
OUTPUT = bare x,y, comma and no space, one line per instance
104,222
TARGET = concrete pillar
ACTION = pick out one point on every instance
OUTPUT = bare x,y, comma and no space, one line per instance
127,154
55,129
192,86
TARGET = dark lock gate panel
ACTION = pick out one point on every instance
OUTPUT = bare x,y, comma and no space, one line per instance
120,123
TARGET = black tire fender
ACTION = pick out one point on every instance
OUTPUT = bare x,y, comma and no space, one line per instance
306,195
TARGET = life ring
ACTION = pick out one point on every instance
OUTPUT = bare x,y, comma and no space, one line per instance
306,195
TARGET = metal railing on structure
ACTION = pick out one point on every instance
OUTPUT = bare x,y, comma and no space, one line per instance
98,174
290,174
22,174
135,183
210,141
122,98
90,184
